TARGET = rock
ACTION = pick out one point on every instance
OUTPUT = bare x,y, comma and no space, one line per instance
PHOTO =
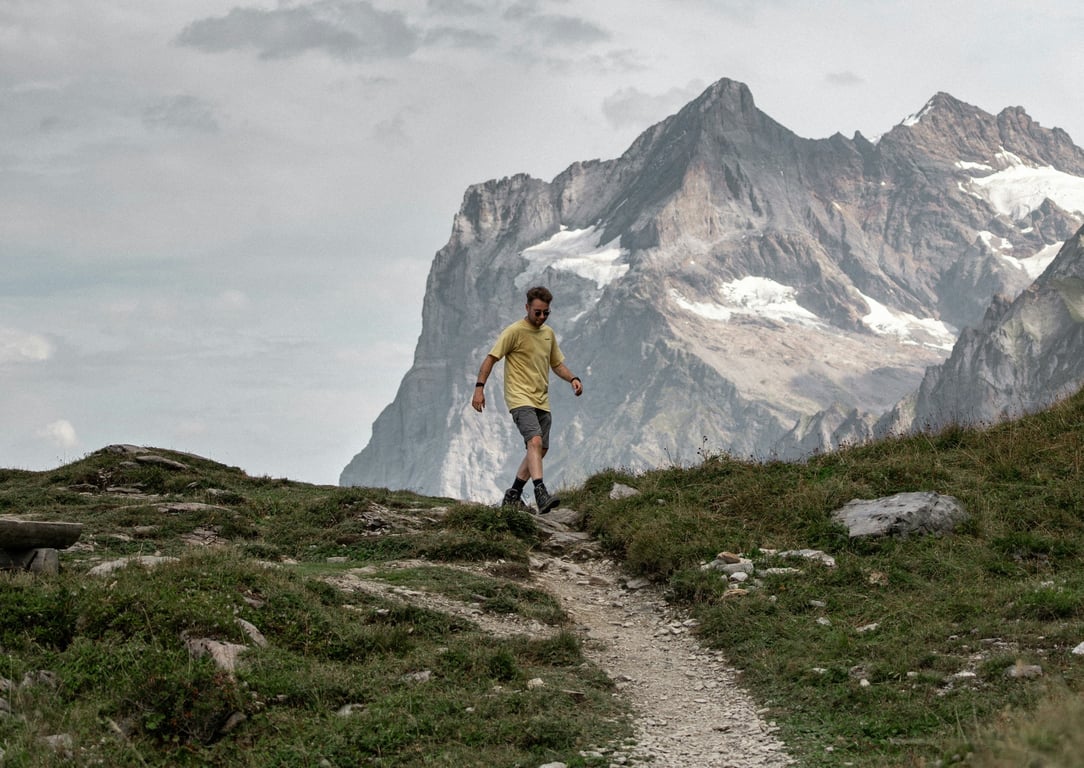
1023,671
34,560
419,677
160,461
620,491
223,654
903,514
147,561
34,534
536,682
637,583
253,634
1079,650
809,554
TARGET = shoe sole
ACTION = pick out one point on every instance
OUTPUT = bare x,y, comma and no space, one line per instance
553,503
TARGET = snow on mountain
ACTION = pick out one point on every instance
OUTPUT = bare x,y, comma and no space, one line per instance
1018,188
727,283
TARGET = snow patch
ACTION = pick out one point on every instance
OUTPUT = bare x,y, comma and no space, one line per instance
1036,264
1018,189
580,252
751,296
909,329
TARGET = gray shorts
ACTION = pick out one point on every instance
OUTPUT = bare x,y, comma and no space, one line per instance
531,422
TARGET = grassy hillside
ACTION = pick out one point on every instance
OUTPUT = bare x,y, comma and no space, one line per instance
99,672
955,615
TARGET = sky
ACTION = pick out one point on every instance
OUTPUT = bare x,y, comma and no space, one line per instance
217,216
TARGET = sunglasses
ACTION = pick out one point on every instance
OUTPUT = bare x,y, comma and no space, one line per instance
541,312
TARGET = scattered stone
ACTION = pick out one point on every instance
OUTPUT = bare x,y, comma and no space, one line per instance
620,491
147,561
253,634
1079,650
809,554
419,677
223,654
638,582
160,461
867,628
904,514
1023,671
182,507
232,722
536,682
348,709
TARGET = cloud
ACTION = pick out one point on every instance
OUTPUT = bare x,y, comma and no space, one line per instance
345,29
461,38
60,433
631,106
21,347
184,112
555,29
392,132
847,78
455,7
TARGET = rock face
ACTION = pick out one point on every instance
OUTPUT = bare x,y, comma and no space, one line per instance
725,285
1025,355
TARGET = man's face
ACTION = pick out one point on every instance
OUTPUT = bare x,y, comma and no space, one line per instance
537,312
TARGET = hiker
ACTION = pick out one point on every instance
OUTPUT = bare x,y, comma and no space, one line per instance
530,350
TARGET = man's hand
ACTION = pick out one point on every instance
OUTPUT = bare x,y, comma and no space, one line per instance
478,402
577,387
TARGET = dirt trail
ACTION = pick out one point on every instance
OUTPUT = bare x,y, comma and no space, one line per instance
689,710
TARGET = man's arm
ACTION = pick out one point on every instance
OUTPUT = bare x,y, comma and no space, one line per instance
562,371
478,402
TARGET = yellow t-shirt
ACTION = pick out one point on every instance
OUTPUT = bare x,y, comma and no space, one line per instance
529,353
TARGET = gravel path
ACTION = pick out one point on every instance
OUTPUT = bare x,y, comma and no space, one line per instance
689,710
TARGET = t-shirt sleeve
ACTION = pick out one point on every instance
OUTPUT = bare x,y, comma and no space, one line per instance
556,358
505,343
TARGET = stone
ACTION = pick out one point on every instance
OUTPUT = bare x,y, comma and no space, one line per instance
809,554
34,534
223,654
160,461
619,491
1079,650
1023,671
147,561
904,514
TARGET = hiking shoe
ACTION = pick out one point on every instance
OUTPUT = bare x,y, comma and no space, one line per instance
513,499
544,500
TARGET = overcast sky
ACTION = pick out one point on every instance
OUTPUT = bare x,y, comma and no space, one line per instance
217,216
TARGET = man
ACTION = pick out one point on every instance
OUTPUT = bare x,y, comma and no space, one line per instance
530,351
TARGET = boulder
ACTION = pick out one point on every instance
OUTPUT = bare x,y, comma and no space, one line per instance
904,514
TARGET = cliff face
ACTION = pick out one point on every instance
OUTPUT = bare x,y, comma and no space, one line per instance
725,285
1025,355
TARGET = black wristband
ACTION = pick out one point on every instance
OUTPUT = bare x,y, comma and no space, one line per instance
574,378
480,384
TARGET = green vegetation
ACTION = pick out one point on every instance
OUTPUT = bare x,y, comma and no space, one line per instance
899,655
1005,588
347,678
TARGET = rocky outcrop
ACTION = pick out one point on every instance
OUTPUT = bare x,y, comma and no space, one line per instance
1025,355
725,286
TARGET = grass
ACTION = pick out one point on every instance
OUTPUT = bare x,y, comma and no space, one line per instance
345,679
901,654
953,613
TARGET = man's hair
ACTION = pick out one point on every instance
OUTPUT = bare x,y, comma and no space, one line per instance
540,293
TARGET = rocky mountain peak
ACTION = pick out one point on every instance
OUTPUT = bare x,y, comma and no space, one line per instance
726,283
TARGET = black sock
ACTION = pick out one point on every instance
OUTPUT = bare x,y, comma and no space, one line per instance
517,485
538,482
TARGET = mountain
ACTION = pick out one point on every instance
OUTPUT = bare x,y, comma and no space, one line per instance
1025,355
725,285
